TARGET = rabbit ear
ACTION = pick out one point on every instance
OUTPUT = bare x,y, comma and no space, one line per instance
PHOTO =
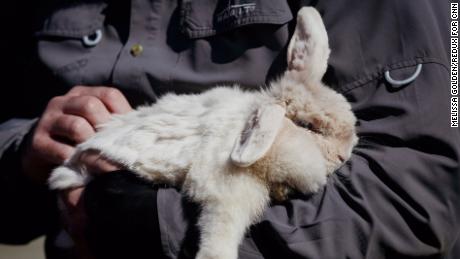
258,135
308,50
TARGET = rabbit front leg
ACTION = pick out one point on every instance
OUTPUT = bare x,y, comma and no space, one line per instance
226,215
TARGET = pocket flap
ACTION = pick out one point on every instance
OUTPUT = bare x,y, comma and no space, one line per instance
203,18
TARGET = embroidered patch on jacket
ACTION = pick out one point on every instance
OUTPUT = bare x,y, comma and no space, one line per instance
236,9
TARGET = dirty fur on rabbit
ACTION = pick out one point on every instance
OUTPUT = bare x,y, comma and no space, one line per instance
232,150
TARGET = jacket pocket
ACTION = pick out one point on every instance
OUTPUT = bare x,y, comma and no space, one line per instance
208,18
74,46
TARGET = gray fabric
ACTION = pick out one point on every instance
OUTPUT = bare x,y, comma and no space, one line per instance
171,60
12,133
397,197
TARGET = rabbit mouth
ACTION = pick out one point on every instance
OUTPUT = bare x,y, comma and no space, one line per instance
341,159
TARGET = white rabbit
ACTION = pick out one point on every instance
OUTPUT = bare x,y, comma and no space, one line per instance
231,150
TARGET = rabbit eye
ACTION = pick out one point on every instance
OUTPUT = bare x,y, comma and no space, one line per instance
307,125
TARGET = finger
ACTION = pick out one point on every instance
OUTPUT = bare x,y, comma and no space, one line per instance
74,221
73,128
71,197
112,98
56,152
88,107
55,104
97,164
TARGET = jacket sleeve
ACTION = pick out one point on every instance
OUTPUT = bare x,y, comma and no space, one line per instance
26,207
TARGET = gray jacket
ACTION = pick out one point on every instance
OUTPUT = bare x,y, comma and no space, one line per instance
398,196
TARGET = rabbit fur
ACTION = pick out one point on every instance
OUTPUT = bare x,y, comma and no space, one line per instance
231,150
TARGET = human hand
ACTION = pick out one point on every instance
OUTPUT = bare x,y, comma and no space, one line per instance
74,221
67,121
